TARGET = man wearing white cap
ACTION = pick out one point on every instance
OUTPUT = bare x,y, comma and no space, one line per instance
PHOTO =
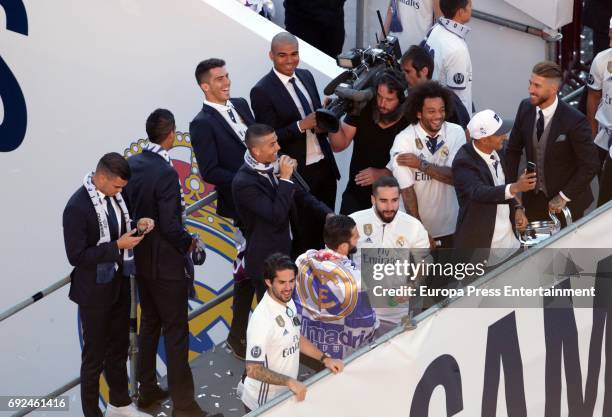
599,113
487,207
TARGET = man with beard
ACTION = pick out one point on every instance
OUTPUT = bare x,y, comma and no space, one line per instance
383,226
274,342
421,160
339,318
557,138
373,133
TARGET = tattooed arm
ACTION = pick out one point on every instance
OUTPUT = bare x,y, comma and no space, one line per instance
259,372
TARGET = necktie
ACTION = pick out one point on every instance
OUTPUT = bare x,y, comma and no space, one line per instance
113,225
495,164
231,115
540,125
303,101
272,179
432,144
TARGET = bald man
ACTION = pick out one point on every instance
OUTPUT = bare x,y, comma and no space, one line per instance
286,99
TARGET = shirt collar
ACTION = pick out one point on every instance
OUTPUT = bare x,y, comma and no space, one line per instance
101,194
423,134
283,78
550,110
485,156
219,107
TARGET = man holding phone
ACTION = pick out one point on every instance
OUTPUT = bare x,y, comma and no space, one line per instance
488,209
266,200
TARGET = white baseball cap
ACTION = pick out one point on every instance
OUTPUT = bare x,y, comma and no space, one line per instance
486,123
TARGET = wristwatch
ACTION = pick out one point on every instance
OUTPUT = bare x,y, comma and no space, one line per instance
423,165
323,357
519,207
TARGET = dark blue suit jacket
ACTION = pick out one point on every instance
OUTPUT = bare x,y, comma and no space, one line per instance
154,192
273,106
267,214
219,151
81,235
478,198
571,156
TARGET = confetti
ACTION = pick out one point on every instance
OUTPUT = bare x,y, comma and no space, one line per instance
217,375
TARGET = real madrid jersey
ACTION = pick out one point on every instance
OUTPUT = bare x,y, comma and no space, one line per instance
600,79
452,62
403,232
438,206
273,339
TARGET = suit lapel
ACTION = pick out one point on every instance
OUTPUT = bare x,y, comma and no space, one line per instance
528,130
310,88
264,183
482,165
555,126
284,95
244,115
221,120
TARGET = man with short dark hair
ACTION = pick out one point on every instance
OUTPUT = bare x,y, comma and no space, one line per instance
421,159
286,99
266,198
99,239
384,226
274,342
446,43
372,133
341,304
418,67
488,210
557,138
217,137
163,285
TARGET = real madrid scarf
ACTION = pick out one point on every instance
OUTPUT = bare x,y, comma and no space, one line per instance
271,170
106,271
155,148
454,27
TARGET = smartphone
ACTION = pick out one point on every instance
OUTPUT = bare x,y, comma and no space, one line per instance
531,167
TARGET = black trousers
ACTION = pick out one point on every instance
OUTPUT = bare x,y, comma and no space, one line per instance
322,181
241,308
536,208
105,348
328,39
260,288
164,306
605,183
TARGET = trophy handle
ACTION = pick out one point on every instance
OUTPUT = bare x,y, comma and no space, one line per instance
568,215
555,220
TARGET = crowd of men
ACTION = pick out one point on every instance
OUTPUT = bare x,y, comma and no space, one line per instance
419,142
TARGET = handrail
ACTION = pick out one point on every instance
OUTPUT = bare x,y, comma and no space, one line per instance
59,284
574,94
549,36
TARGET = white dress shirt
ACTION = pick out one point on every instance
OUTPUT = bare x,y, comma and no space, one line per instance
313,150
237,124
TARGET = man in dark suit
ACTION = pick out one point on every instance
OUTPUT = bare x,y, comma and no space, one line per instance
266,199
488,210
558,140
162,282
98,243
286,99
217,136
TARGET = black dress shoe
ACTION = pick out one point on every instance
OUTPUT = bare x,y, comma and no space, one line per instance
148,398
237,348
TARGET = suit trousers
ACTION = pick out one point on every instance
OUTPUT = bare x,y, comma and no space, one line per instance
605,183
322,181
164,307
328,39
105,348
536,208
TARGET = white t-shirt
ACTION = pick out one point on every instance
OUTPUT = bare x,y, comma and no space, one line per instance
438,206
600,79
452,62
404,231
416,17
274,341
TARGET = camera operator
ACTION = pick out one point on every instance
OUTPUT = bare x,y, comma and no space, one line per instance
373,132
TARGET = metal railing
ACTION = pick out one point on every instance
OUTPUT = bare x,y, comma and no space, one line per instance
62,282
